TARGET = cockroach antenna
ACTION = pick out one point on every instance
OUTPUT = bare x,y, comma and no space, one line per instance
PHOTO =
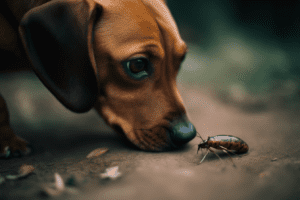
200,136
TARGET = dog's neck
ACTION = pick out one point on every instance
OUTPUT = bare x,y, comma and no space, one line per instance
19,8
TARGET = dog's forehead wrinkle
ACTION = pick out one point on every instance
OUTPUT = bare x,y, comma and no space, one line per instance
149,48
119,51
121,29
166,22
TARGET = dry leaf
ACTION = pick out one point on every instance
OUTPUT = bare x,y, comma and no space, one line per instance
12,177
97,152
59,182
111,173
59,187
51,191
26,169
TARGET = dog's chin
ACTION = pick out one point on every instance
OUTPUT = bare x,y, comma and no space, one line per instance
155,139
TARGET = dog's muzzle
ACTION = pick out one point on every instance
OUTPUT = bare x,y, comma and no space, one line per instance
163,137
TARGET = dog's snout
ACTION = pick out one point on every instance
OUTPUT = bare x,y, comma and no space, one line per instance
182,132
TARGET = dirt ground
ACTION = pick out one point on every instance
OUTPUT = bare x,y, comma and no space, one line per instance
62,140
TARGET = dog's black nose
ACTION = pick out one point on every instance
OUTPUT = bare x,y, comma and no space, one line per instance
182,132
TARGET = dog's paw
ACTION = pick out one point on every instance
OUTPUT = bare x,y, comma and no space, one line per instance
16,148
12,145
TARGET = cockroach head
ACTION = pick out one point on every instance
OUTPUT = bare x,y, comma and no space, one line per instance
202,145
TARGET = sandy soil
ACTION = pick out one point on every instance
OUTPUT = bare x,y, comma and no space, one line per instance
62,140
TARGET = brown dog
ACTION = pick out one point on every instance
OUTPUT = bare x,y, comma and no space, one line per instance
119,56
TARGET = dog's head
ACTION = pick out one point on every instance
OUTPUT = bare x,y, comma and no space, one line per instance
119,56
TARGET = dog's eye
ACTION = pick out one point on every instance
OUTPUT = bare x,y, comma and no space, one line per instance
137,68
137,65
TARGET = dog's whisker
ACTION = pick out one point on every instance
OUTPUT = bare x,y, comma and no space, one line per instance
148,139
140,142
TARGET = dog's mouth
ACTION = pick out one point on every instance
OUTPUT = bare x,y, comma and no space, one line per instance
155,139
121,133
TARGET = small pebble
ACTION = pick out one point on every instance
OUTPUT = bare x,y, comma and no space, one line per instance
274,159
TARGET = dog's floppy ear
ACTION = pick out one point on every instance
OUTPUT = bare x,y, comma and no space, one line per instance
58,39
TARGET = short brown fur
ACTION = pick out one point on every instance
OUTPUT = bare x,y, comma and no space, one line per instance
91,40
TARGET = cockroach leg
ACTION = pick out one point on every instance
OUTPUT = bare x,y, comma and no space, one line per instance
229,156
229,151
215,153
204,156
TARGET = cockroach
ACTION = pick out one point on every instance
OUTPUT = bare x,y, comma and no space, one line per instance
225,143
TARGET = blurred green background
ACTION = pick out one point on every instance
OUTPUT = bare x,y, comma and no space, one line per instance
246,52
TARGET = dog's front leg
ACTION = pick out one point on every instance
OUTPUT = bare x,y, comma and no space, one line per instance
10,144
